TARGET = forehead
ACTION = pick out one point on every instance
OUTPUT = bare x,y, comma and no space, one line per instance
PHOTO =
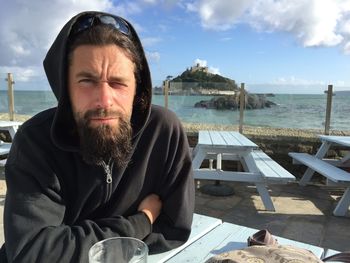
91,53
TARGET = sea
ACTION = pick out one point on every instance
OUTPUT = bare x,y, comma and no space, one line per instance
291,111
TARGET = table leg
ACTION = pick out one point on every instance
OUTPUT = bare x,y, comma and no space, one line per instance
343,204
198,157
217,189
13,131
346,158
218,161
306,177
265,196
250,165
320,154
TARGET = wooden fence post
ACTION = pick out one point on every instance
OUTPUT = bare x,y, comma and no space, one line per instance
241,107
166,84
11,101
327,124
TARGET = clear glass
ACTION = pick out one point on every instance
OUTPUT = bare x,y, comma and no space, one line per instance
119,250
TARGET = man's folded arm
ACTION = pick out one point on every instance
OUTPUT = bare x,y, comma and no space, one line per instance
31,238
35,230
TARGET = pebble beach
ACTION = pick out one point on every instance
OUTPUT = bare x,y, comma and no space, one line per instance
192,128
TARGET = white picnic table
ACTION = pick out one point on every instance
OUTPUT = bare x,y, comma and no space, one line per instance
10,126
216,237
4,147
328,168
201,225
259,168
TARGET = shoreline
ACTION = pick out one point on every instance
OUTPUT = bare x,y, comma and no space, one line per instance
268,132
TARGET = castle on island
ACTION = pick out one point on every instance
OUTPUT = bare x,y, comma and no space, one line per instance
193,82
198,67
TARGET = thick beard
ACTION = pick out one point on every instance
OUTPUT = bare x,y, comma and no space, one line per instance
104,143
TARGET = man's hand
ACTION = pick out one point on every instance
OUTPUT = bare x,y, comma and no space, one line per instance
151,206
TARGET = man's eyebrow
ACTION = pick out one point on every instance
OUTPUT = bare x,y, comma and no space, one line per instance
85,74
117,79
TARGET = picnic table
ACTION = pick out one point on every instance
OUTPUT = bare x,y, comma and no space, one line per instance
330,168
210,236
10,126
258,167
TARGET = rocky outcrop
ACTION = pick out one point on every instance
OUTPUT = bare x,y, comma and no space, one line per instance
252,101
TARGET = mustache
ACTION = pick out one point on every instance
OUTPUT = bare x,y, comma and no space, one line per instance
101,113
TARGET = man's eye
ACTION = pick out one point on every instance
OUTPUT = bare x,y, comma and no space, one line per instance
116,84
87,82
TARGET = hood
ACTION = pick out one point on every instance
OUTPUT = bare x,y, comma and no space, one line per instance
63,130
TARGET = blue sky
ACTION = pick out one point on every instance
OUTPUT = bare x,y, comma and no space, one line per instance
279,46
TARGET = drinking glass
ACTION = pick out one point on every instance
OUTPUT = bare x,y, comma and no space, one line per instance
119,250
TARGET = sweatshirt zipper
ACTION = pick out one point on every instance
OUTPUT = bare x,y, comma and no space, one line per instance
108,168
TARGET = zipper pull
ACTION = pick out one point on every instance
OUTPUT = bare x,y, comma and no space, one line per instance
109,176
108,171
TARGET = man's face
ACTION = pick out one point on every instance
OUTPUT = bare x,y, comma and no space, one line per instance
102,87
101,79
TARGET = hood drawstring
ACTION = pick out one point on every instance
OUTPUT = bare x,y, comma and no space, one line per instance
108,170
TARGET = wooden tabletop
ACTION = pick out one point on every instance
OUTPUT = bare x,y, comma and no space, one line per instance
4,124
224,139
226,237
201,225
342,140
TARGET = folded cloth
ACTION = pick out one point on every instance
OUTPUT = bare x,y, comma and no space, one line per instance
261,238
264,248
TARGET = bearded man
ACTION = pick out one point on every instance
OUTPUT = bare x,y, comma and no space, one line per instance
104,162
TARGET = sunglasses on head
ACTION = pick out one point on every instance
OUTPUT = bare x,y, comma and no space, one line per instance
89,21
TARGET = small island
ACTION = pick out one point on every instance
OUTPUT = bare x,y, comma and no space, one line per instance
197,80
231,102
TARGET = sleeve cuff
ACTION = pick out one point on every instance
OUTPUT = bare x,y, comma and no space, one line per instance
142,224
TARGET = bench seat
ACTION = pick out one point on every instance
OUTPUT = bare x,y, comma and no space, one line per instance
2,162
330,171
4,148
270,169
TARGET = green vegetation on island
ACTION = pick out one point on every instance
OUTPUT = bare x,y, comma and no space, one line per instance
198,80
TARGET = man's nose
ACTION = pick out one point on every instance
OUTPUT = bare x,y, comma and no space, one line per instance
105,96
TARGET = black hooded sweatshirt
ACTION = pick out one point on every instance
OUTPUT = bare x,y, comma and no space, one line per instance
57,206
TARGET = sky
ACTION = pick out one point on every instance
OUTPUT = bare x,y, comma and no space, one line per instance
277,46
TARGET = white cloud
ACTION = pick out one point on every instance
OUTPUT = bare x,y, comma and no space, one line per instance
204,63
226,39
312,22
28,28
150,41
201,62
292,80
22,74
219,15
347,48
153,56
191,7
152,2
214,70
